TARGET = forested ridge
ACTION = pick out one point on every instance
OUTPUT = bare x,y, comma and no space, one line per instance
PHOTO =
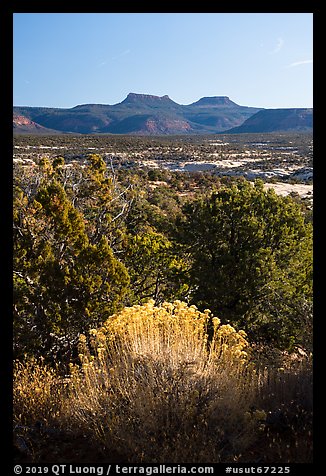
92,241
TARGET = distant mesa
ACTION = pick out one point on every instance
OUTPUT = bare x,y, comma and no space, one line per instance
22,124
21,120
215,101
147,114
274,120
134,97
149,100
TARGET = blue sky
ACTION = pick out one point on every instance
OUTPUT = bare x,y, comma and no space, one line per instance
257,59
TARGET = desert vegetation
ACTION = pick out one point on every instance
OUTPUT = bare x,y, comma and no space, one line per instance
159,315
156,384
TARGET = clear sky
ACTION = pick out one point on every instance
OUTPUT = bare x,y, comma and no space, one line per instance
257,59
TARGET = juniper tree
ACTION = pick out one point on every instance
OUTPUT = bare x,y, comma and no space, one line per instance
251,261
62,282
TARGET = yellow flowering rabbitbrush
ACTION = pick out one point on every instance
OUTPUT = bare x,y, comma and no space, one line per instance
164,374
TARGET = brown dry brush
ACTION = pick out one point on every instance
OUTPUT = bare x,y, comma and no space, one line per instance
286,394
153,387
156,391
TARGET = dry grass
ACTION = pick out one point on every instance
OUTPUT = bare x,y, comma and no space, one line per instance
38,393
153,387
156,390
286,394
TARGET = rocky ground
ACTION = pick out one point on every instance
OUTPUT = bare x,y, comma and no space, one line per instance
284,162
